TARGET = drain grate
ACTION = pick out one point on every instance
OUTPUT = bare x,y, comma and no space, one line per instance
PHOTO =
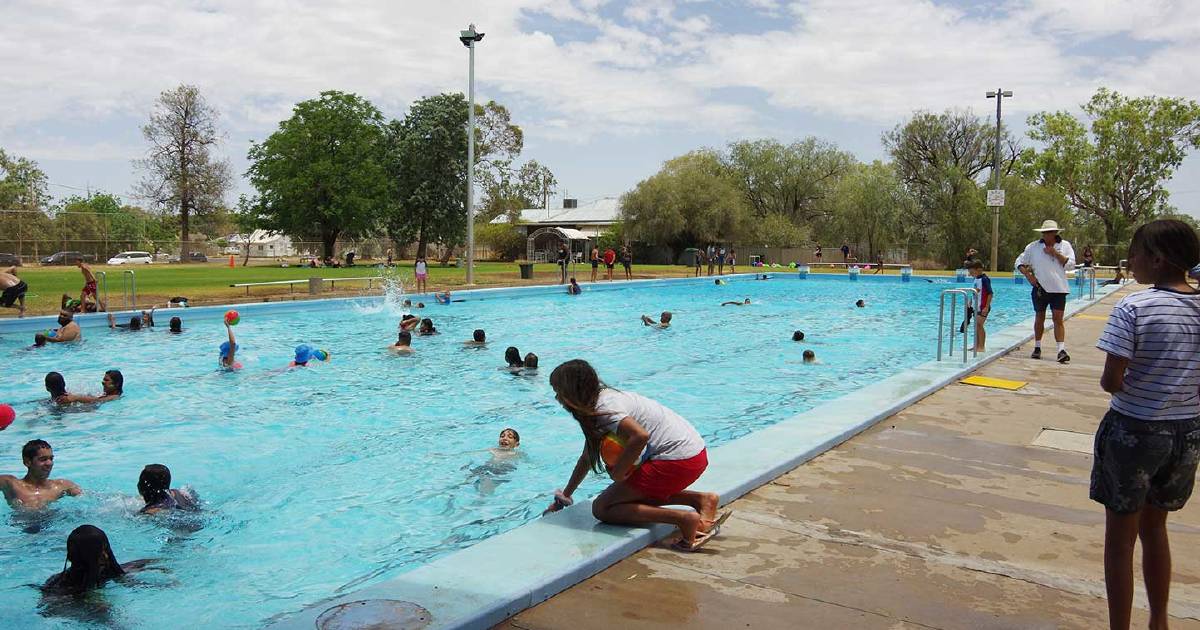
1062,440
375,614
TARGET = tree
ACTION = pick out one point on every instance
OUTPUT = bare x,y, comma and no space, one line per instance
321,174
869,204
23,198
182,174
940,158
692,200
791,180
530,186
426,161
1115,168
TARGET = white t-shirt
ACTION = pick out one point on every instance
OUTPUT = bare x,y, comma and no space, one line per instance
1050,273
421,268
1158,330
671,437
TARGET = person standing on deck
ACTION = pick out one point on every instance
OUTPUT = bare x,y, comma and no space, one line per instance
1045,263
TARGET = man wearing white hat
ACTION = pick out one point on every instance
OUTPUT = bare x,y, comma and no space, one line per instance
1045,263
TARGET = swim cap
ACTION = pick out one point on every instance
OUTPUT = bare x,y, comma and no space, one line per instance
304,353
7,415
225,348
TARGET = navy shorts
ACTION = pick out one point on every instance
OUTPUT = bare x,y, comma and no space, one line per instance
1139,462
1041,299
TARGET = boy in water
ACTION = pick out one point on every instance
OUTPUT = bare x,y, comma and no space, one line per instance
478,339
155,487
810,356
574,288
664,320
36,490
403,343
982,306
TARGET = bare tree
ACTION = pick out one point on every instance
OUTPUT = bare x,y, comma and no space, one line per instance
181,173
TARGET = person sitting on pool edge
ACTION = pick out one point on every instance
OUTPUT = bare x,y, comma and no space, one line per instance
478,339
798,335
427,328
229,349
36,489
403,343
154,485
92,563
736,303
574,288
664,320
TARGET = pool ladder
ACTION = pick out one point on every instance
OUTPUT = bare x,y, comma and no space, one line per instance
129,289
968,298
1086,280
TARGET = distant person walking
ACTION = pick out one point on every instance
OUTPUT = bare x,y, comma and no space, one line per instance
14,290
564,258
627,261
1045,263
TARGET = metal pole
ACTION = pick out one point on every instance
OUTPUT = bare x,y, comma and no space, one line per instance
996,186
471,168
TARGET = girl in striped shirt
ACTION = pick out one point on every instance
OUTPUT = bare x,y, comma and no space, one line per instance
1148,443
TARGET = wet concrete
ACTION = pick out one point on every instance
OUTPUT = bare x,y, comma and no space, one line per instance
942,516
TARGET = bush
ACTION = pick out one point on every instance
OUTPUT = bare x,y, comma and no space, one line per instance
505,241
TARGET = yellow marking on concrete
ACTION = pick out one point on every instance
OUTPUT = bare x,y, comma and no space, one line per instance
996,383
1098,318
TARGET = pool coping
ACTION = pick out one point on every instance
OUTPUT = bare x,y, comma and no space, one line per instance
494,579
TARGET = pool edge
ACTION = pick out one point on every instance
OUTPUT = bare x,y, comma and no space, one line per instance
486,583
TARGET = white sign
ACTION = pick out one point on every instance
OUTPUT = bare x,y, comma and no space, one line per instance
995,198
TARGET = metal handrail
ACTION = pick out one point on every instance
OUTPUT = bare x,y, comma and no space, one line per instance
129,289
968,296
104,289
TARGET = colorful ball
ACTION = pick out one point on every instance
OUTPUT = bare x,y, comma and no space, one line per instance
232,318
7,415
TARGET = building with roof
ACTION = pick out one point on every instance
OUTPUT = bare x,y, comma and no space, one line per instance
573,223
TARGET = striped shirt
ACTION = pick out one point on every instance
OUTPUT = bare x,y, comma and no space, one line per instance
1158,331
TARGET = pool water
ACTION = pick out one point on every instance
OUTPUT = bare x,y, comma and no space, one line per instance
322,480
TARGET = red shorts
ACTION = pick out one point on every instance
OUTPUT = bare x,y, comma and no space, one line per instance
659,479
89,288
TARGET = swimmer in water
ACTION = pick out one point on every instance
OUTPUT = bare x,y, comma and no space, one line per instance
39,340
427,328
530,365
113,384
798,335
478,339
443,297
403,343
92,563
736,303
229,350
67,329
574,288
810,356
36,490
508,442
135,323
155,487
512,357
664,321
860,304
57,387
719,281
409,322
306,353
176,325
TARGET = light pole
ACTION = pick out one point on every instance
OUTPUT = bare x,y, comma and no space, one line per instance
468,39
999,95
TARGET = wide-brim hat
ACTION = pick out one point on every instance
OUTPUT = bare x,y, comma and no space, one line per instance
1048,225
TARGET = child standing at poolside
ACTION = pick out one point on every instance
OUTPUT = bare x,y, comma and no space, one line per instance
983,302
663,455
1148,444
421,271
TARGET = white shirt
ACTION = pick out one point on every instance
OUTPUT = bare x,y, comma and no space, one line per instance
1050,273
671,437
421,267
1158,331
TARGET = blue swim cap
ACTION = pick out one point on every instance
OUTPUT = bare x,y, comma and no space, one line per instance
225,348
304,353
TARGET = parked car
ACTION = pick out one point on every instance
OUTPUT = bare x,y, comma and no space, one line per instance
131,258
67,258
191,257
10,260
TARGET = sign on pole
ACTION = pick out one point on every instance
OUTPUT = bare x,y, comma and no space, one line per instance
995,198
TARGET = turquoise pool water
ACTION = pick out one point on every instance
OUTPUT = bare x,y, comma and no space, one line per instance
323,480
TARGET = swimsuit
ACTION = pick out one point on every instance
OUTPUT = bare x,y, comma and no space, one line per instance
11,294
89,288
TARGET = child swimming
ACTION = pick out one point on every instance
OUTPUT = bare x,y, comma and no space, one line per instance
92,563
798,335
810,356
574,288
736,303
662,456
427,327
154,485
443,297
228,350
512,357
664,321
113,384
403,343
478,339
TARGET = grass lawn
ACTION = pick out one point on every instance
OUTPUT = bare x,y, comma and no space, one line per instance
209,282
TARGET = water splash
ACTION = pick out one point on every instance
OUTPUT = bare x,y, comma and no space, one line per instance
392,282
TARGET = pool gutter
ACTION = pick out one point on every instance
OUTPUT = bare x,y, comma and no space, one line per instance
486,583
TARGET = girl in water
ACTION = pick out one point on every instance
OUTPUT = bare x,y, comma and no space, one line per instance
228,351
113,384
155,487
662,455
92,563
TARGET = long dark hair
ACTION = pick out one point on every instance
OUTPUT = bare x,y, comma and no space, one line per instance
512,356
56,385
118,380
91,562
154,483
577,388
1172,240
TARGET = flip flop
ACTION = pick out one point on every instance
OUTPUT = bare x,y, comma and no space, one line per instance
695,545
715,528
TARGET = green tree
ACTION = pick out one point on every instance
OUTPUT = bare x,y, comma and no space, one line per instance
869,205
793,180
1026,205
1114,169
693,199
509,191
941,158
181,173
23,199
321,174
426,162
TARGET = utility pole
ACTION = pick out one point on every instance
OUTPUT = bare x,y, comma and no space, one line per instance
468,39
995,195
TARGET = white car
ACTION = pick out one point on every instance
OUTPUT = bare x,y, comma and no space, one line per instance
131,258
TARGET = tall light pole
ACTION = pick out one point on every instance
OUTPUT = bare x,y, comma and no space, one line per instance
468,39
996,204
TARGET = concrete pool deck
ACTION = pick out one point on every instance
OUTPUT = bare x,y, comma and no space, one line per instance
944,515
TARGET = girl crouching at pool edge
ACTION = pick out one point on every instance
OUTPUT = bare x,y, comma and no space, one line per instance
663,455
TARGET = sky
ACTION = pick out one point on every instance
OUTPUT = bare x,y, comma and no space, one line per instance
605,91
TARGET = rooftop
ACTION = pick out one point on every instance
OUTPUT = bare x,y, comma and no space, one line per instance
598,211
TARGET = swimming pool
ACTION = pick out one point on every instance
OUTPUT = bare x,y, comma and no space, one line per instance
323,480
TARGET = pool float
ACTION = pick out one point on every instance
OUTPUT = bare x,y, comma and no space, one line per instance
321,355
232,318
7,415
611,447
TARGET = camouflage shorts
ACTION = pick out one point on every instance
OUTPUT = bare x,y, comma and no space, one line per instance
1139,462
